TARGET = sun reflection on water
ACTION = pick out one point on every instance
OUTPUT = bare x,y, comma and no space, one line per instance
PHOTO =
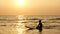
21,28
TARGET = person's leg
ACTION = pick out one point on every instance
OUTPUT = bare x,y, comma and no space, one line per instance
40,31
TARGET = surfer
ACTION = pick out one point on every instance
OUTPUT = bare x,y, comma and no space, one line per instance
39,27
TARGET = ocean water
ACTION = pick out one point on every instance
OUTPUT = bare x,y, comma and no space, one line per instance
17,24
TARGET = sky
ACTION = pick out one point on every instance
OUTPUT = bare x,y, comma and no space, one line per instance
29,7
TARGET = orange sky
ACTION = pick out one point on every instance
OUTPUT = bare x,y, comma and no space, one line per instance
30,7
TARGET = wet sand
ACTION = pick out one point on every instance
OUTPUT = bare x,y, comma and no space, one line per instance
45,31
51,31
17,29
7,30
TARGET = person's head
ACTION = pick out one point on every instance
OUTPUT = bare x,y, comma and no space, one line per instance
39,20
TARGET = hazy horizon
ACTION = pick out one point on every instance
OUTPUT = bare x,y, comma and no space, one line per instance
29,7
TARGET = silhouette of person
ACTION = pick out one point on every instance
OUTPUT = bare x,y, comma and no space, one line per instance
39,27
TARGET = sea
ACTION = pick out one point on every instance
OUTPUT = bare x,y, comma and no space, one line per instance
16,24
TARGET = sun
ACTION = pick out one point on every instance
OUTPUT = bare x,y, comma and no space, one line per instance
20,2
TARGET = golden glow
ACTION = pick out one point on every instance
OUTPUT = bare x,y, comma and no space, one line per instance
20,2
20,28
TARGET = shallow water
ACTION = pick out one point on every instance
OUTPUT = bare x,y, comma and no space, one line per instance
16,24
19,28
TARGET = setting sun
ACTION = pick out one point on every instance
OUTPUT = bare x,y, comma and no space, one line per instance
20,2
